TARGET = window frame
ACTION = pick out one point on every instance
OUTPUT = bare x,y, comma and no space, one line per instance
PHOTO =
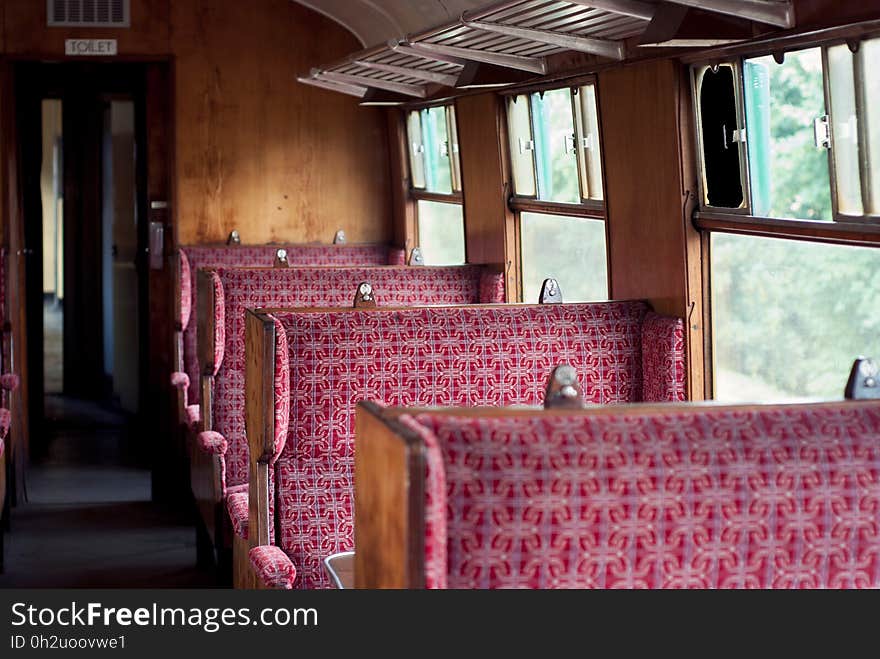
593,208
739,96
589,210
842,230
415,194
862,230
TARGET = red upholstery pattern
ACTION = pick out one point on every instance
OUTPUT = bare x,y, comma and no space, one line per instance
775,497
435,506
9,382
219,322
281,390
468,356
396,256
193,417
180,380
299,287
260,256
5,423
664,374
186,294
272,567
492,288
237,507
212,442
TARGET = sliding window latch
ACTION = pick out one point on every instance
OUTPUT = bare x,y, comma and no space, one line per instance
526,145
822,132
737,136
570,143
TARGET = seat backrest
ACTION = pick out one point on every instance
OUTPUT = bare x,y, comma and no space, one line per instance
228,293
467,356
196,257
693,496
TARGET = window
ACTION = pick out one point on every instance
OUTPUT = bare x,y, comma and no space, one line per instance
441,233
554,145
789,317
785,117
569,249
556,167
719,136
435,178
792,136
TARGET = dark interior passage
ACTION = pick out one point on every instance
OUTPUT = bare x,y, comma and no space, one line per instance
88,520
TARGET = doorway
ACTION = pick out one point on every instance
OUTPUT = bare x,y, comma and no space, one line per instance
81,151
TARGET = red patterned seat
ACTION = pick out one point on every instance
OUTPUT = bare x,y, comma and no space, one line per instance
9,382
462,356
691,497
196,257
236,290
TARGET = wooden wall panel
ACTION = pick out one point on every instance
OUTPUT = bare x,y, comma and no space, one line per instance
403,206
483,181
643,184
26,32
256,150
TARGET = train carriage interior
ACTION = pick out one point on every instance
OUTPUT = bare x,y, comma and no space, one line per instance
423,294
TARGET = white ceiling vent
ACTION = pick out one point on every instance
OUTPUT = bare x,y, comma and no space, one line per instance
88,13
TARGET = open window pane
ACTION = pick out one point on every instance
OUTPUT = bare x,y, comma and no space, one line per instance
441,233
438,171
455,155
571,250
790,317
788,171
555,151
589,147
522,158
845,130
869,53
720,136
416,149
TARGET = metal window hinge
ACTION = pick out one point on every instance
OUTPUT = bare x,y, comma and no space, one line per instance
822,132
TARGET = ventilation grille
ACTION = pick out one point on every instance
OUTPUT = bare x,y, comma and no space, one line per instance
89,13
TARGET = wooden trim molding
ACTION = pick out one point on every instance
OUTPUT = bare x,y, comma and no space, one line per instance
839,233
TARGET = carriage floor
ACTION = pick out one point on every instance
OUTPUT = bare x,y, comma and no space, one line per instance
88,520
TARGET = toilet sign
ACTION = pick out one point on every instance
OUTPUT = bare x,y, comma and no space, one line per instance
86,47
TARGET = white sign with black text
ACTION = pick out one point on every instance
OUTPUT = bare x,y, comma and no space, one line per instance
93,47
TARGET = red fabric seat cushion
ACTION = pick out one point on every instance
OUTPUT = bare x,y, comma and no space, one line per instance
772,497
272,567
241,289
197,257
237,507
5,422
469,356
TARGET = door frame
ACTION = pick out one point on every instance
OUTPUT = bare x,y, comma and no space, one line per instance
155,202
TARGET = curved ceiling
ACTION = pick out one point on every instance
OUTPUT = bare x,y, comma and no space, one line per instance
376,21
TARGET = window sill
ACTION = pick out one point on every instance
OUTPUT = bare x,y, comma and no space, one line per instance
592,210
841,233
